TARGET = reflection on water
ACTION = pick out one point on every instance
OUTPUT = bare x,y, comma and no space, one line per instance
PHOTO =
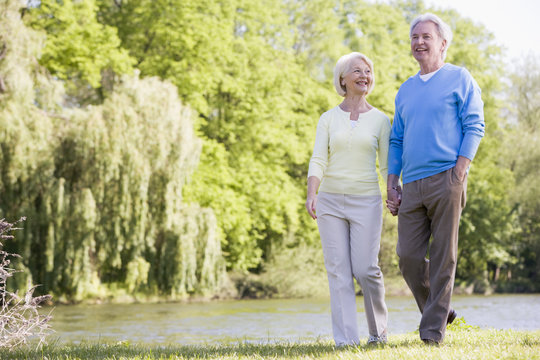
267,320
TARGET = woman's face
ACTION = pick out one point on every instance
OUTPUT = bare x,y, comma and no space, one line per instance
358,78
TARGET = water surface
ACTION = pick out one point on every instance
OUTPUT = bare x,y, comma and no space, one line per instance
267,320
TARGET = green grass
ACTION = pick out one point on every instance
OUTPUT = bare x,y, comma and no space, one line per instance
462,342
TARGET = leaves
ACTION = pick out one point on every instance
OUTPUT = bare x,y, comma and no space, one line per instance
138,183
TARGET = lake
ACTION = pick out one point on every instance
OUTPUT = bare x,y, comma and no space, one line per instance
264,321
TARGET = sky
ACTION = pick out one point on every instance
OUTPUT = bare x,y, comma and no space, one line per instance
515,23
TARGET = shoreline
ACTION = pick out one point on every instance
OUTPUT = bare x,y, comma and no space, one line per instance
394,286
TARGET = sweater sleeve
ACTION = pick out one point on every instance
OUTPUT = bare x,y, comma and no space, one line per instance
384,143
395,151
319,159
471,113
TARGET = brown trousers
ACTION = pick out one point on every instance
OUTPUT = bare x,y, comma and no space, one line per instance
431,208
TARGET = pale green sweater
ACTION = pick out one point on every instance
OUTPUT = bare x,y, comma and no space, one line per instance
344,158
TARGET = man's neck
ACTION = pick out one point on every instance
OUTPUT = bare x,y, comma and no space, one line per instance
429,68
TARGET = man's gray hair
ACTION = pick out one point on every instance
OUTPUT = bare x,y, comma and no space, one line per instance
444,30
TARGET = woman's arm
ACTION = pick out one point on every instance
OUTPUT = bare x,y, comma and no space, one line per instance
313,183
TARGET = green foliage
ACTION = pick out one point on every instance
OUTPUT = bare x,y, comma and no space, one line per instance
102,186
281,272
123,193
521,154
257,106
78,47
459,324
381,32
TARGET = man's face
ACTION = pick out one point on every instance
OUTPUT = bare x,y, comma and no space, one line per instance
426,44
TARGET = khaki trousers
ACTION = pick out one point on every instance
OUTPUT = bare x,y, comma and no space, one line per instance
431,207
350,228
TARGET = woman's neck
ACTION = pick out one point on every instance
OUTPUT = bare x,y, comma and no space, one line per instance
355,105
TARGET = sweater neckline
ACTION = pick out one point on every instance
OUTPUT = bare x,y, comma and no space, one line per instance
437,72
348,113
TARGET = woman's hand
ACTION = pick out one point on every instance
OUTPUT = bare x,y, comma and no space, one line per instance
394,200
313,183
311,204
393,193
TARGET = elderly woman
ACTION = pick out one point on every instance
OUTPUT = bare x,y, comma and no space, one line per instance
348,206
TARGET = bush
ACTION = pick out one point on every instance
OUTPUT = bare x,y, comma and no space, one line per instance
19,317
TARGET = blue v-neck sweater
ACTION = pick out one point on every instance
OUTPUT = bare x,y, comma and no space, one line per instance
435,122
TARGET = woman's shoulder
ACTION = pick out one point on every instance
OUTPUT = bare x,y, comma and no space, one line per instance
331,114
333,111
379,115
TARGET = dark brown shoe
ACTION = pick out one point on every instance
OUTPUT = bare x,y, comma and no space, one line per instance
451,316
430,342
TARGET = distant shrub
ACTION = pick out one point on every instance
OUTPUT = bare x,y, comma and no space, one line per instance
460,324
19,317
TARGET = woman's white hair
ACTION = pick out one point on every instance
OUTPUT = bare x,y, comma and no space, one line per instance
444,30
343,66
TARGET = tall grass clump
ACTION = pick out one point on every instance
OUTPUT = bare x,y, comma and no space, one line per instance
20,320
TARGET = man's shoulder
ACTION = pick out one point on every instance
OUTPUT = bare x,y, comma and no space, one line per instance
411,81
454,70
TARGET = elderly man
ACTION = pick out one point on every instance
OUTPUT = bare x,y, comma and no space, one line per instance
438,125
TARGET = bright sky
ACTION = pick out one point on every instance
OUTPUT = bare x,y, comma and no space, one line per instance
515,23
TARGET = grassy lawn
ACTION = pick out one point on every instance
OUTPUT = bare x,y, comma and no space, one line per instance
462,342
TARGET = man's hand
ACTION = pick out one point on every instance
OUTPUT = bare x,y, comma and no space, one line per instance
462,165
394,200
393,193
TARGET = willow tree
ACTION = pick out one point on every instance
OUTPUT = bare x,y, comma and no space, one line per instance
117,202
101,186
26,134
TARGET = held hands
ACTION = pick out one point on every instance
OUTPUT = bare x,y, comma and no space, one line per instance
311,204
394,199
